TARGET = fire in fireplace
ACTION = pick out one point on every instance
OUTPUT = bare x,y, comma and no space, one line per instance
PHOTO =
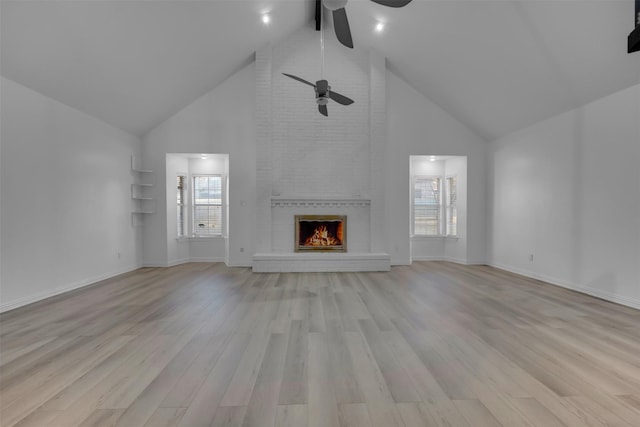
323,233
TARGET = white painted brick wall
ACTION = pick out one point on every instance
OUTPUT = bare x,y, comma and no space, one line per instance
302,153
313,154
263,149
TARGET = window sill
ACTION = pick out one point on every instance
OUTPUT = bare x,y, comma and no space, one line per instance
196,238
439,236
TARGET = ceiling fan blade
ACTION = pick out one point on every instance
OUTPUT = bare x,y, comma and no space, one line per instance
341,25
299,79
323,110
392,3
340,99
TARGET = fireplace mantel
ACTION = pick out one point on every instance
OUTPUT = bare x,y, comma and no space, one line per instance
318,201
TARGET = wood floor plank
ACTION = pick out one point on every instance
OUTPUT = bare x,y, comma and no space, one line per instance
239,391
184,390
380,403
422,379
166,417
202,409
428,344
291,416
261,409
476,414
145,404
229,416
103,418
535,413
293,389
37,418
28,396
322,408
354,415
399,384
343,377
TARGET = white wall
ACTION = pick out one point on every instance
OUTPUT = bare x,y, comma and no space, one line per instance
221,121
456,248
177,250
66,201
416,126
567,191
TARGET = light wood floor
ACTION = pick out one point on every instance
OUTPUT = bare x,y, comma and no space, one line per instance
433,344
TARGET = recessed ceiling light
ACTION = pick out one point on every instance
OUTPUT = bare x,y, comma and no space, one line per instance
379,27
266,18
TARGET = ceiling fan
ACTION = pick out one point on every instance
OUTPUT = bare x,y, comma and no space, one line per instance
340,21
322,88
323,94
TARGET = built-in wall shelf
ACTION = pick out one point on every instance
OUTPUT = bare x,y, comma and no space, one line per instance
142,199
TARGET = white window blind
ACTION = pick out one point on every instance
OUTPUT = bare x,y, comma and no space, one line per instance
452,206
427,206
180,202
207,205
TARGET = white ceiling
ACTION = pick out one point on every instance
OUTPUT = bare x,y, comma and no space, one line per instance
497,65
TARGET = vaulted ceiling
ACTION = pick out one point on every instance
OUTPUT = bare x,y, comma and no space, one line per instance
496,66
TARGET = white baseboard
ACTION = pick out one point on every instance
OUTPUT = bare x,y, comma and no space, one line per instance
427,258
11,305
214,259
184,261
598,293
442,258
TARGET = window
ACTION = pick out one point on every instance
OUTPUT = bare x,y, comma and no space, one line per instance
452,206
207,205
427,206
180,193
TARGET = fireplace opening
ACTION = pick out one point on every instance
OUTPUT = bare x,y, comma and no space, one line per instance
322,233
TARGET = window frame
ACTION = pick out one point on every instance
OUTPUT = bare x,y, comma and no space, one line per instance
182,207
414,180
448,206
194,204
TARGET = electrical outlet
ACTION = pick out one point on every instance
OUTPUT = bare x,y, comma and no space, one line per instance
241,249
531,257
119,255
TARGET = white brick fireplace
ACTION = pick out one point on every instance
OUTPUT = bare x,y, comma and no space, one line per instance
308,164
